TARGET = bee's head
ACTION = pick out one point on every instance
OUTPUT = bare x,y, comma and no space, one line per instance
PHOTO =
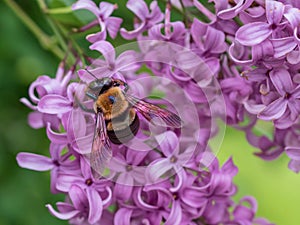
101,85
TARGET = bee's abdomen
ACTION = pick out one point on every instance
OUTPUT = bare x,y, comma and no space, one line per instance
119,136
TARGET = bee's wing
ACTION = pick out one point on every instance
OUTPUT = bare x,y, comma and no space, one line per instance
154,114
101,151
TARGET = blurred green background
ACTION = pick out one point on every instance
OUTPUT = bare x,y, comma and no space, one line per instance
24,193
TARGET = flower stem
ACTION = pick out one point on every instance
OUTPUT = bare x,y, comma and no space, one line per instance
45,41
63,10
204,10
59,34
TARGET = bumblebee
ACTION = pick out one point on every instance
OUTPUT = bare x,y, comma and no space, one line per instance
117,120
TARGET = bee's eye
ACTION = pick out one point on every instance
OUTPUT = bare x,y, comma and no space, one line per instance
112,99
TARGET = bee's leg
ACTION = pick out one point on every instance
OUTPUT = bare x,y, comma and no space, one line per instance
126,87
92,96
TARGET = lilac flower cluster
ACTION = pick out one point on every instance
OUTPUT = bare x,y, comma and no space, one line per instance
266,47
240,66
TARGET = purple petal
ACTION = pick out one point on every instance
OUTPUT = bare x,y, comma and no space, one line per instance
26,102
95,205
140,201
83,145
139,8
65,181
53,175
242,212
106,9
168,143
274,110
237,54
113,26
134,33
175,215
253,14
35,120
293,152
58,138
252,107
293,57
262,50
157,168
108,200
64,207
106,49
85,77
76,124
253,33
283,46
285,121
296,92
107,218
54,104
122,216
123,186
178,30
156,15
296,36
135,157
127,61
62,216
229,168
282,81
194,198
293,16
78,197
99,36
274,11
55,150
88,5
241,5
294,165
34,162
37,86
198,30
85,168
215,41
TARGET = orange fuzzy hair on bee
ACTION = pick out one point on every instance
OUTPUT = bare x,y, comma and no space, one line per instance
109,109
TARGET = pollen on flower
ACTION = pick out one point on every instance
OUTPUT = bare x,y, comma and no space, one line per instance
89,182
173,159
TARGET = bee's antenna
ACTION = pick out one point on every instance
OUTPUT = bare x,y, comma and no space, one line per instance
91,73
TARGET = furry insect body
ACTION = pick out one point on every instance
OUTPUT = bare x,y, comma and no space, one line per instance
116,118
121,120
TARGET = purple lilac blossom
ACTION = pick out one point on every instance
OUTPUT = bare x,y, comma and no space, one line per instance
266,47
108,24
171,184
